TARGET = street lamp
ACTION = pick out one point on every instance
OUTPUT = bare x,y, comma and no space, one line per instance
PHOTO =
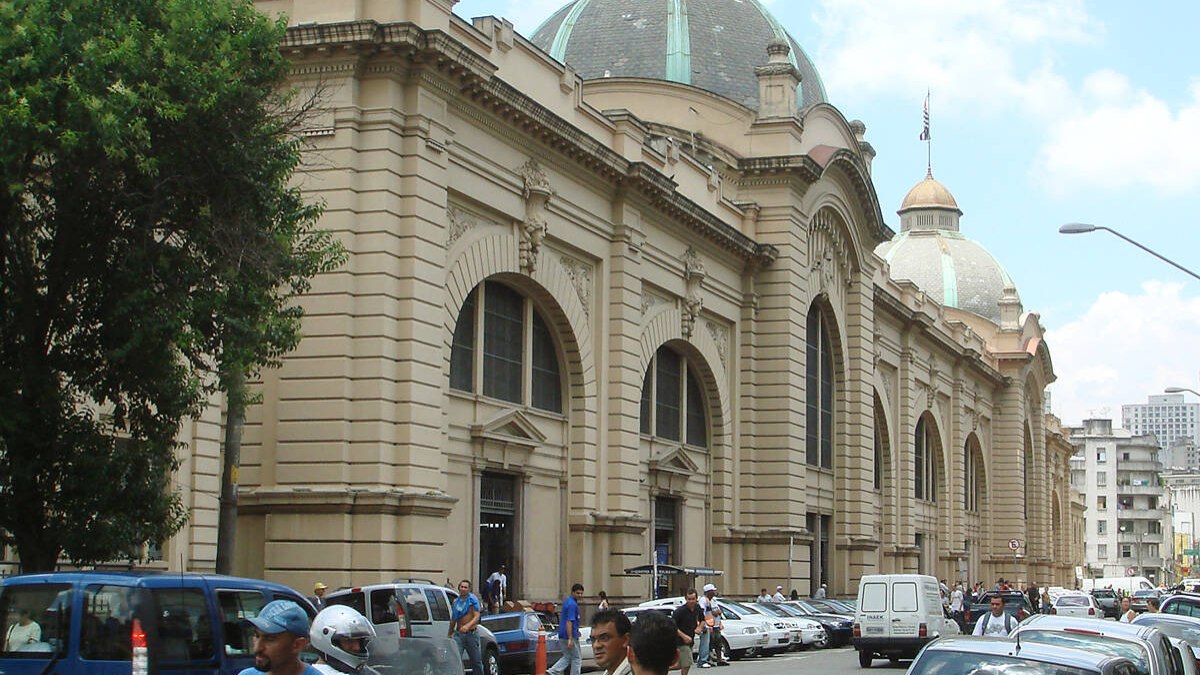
1180,390
1083,228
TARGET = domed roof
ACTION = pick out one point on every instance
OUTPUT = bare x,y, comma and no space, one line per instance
710,44
950,268
929,193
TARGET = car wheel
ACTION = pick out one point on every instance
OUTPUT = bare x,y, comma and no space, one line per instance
491,661
864,658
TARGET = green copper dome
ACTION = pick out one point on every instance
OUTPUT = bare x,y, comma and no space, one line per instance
710,44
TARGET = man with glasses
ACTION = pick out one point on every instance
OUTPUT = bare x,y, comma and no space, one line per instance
996,622
610,641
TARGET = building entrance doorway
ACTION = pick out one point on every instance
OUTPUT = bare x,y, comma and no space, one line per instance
665,521
497,531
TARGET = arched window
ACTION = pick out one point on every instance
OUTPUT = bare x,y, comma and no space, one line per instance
503,347
971,458
819,392
673,404
880,442
925,461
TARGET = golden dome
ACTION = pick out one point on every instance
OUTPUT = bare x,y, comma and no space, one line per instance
929,194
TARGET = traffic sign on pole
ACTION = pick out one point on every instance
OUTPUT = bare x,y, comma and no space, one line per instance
1014,544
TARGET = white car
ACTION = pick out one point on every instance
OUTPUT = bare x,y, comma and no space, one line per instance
1076,604
739,637
812,633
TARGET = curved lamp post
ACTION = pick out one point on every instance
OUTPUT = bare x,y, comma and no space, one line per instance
1180,390
1083,228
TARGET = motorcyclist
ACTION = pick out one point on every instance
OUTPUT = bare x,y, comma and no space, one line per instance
341,635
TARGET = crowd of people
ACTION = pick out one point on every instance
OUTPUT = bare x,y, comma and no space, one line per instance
342,636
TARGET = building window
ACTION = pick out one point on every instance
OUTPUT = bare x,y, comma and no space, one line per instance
1102,503
925,461
971,481
1126,551
673,403
1101,478
1101,457
819,392
1101,527
1102,551
503,347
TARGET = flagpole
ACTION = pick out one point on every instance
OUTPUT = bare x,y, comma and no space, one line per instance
928,138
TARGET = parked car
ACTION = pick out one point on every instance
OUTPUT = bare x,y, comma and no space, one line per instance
1076,604
1184,604
960,655
412,608
838,628
1146,646
1139,598
898,614
98,623
517,638
739,637
1184,628
1107,599
812,633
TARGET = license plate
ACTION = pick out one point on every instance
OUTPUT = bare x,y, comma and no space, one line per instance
874,630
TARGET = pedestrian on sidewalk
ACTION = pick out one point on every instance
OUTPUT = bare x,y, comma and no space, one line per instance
687,620
568,635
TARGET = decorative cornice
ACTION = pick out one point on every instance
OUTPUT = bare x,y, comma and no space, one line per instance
394,502
476,80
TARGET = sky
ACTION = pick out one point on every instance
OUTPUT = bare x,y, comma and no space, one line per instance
1042,112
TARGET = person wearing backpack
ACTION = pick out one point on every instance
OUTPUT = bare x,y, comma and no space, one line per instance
996,622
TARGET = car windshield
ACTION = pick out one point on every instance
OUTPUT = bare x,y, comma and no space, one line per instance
1144,594
788,610
1104,593
1073,601
938,662
835,606
745,609
773,610
1093,642
428,656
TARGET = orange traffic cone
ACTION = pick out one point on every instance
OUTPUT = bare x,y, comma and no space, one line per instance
539,662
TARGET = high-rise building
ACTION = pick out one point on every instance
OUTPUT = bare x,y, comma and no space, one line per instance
1128,517
1167,416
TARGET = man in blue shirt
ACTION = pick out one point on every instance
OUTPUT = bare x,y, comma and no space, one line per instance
464,619
280,634
568,634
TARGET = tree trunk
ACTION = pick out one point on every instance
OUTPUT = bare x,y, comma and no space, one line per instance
235,419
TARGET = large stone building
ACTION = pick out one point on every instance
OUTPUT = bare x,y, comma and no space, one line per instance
641,303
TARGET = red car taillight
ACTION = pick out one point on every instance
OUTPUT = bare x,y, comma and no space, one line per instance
857,630
140,664
402,620
923,631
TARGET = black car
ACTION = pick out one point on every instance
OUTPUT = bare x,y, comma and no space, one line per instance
1016,603
1107,599
838,628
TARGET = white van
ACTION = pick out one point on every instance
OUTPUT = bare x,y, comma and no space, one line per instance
897,615
1127,584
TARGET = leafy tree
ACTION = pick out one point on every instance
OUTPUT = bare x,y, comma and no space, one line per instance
149,242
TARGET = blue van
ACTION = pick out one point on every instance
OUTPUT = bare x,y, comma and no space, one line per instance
131,623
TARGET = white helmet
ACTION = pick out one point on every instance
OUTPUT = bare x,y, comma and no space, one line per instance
334,624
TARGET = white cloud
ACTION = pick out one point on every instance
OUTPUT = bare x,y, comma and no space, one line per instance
1124,348
1122,137
980,55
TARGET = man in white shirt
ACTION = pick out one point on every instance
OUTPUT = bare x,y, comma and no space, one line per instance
778,597
24,632
820,594
956,602
1127,613
762,595
497,587
996,622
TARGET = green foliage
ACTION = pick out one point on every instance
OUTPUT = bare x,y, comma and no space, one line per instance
150,241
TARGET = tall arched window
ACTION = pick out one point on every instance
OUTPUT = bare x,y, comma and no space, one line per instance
673,403
880,442
503,347
971,460
925,464
819,392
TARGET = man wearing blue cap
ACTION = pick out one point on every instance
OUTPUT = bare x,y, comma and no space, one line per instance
280,634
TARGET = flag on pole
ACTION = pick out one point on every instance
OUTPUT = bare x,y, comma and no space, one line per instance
925,131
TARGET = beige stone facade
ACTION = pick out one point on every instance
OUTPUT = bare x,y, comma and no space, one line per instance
672,333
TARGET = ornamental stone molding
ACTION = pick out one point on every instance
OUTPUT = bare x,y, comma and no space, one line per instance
650,300
537,193
693,300
580,274
720,337
827,252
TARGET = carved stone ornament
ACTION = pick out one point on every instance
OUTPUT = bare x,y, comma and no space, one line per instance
650,300
693,301
533,229
580,274
889,382
720,337
827,252
460,222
